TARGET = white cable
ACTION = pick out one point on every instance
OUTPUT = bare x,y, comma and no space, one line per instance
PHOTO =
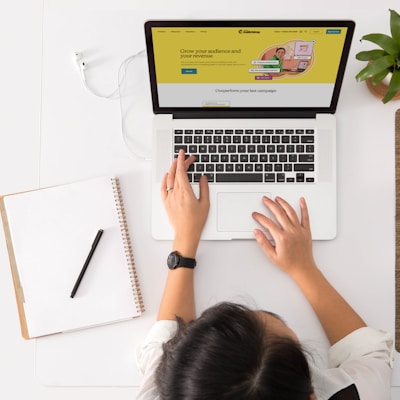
116,94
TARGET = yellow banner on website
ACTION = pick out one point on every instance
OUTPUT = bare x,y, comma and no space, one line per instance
247,55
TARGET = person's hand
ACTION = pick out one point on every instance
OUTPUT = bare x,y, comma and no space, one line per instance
186,212
292,248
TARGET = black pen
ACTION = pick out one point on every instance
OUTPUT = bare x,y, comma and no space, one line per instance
89,257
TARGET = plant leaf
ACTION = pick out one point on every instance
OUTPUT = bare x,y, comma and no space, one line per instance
394,86
370,55
375,67
386,42
395,25
380,77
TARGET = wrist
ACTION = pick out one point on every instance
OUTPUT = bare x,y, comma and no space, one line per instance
186,247
305,274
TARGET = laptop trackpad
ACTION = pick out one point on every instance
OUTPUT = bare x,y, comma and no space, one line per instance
235,209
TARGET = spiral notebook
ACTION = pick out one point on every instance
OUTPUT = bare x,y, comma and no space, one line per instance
49,233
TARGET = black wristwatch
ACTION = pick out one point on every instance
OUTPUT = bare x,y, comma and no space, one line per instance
175,260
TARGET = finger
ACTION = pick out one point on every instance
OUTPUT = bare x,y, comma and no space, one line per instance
264,243
267,223
305,217
204,195
189,161
277,210
171,175
289,211
163,187
181,174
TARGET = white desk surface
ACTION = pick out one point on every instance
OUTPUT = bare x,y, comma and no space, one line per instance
74,135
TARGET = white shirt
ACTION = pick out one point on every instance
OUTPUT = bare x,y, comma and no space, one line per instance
364,358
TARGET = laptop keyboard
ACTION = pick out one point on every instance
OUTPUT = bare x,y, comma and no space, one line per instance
249,155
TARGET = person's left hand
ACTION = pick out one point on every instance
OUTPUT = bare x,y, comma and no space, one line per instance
186,212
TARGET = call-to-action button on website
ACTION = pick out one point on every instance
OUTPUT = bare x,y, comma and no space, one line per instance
189,71
263,77
333,31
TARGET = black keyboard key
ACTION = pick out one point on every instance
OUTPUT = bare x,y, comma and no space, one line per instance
239,177
210,167
253,158
268,167
179,147
224,158
288,167
300,177
307,139
210,177
269,178
196,177
237,139
307,158
178,139
214,158
239,167
280,177
217,139
304,167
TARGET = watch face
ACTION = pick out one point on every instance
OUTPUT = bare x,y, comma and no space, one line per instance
173,260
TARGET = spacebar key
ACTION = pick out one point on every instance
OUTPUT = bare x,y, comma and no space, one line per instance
239,177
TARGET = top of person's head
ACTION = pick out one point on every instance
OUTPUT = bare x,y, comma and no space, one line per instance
280,48
228,353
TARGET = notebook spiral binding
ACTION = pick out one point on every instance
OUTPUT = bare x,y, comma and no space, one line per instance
127,244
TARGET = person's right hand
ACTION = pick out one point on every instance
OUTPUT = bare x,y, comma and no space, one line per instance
292,248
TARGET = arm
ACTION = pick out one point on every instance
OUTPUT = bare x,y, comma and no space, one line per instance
293,254
188,215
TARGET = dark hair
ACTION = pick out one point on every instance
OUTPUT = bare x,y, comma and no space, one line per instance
227,353
280,48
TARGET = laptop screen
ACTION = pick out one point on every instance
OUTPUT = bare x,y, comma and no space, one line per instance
246,65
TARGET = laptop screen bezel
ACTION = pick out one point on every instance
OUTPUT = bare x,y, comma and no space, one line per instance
255,112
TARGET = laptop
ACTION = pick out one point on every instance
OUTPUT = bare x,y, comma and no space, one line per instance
255,102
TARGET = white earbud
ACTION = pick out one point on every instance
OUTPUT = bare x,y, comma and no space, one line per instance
78,57
79,61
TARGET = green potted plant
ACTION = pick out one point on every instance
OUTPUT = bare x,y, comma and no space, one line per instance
383,62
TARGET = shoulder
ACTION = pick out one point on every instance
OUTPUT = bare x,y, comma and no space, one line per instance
363,358
148,356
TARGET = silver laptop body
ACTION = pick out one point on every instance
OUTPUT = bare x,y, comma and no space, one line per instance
219,81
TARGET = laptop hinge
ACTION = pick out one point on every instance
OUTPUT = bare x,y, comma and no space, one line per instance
244,114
